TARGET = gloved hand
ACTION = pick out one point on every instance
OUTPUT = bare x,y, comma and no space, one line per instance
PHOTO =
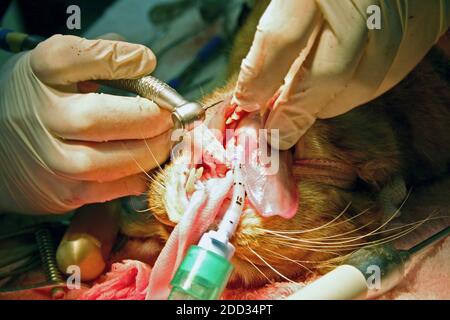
61,149
330,60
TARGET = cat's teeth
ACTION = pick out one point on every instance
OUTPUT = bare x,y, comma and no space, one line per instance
238,109
235,116
190,183
199,173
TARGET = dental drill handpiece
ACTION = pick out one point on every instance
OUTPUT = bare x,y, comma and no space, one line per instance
185,114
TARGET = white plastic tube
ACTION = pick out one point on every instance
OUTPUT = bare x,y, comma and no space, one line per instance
343,283
231,217
219,241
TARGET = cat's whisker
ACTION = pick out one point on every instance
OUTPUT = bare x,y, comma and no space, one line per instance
366,225
153,209
327,225
302,247
142,169
141,210
300,261
413,226
334,241
382,240
336,236
276,233
344,246
408,224
397,236
152,154
258,269
313,229
341,244
289,259
387,221
319,247
270,266
385,239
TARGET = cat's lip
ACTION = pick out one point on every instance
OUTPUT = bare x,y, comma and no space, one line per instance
267,172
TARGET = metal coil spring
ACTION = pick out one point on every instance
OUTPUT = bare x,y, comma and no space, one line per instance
48,258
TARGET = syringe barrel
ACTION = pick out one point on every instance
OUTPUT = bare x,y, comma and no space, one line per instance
232,216
202,275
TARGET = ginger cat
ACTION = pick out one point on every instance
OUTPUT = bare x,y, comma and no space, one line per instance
351,172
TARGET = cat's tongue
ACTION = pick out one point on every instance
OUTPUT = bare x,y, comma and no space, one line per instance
200,214
267,174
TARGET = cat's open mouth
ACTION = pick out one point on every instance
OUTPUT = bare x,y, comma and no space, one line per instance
207,154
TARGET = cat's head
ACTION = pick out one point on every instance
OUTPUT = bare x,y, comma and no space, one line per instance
329,220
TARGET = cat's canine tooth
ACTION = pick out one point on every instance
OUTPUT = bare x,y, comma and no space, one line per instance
190,183
235,116
229,120
199,173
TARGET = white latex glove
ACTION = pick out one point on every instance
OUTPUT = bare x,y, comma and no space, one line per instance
61,149
329,59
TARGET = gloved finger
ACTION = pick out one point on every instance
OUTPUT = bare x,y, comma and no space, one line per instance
90,86
109,161
380,50
104,117
64,60
423,23
312,84
284,31
94,192
112,36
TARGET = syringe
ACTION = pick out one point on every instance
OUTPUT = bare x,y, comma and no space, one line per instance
206,268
